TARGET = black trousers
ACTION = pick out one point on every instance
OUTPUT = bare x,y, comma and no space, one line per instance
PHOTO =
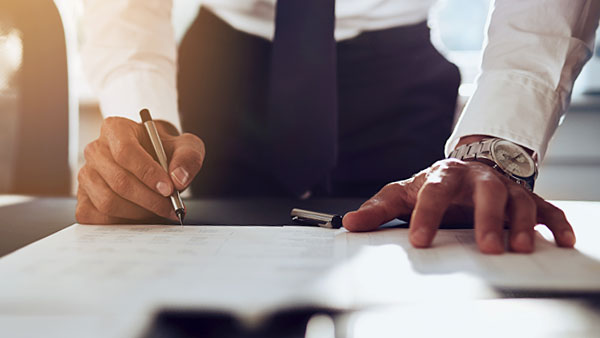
397,97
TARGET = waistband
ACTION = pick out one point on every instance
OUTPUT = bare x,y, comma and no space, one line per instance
417,34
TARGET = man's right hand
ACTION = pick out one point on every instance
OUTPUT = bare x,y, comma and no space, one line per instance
122,183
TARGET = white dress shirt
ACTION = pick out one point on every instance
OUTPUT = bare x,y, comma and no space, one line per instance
533,52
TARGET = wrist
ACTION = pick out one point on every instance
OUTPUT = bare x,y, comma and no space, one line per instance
511,159
468,139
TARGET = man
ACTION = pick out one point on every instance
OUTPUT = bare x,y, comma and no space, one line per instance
287,110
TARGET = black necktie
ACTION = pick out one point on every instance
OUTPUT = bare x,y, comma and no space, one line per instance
303,94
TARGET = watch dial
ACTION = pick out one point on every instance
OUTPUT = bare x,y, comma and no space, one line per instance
513,159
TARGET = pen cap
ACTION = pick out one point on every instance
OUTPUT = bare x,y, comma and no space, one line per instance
315,218
145,115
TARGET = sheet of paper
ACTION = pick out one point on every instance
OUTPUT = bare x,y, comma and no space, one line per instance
112,270
455,269
108,271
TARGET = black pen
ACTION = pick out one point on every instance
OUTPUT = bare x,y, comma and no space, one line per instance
162,159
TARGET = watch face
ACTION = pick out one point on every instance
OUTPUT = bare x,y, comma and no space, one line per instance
513,159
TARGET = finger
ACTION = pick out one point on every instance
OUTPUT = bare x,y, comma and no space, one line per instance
489,198
187,156
432,202
390,202
86,213
126,185
522,214
125,148
556,221
107,201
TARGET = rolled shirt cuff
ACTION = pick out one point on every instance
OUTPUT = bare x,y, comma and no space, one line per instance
513,106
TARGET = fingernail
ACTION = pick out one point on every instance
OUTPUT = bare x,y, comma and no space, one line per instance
163,188
420,237
568,238
523,240
492,243
180,175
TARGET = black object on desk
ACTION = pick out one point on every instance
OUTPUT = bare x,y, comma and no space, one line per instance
261,211
287,323
314,218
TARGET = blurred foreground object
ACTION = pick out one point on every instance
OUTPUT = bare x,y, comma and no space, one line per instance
33,99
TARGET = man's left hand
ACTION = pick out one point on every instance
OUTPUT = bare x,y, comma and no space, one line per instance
454,191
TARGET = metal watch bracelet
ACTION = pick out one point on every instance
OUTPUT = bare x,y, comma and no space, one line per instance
481,151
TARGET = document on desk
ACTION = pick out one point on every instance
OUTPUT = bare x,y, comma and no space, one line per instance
253,270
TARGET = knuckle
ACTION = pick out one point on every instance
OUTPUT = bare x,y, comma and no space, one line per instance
437,186
82,214
111,120
438,164
120,183
453,163
198,146
521,197
196,155
194,159
392,187
106,205
439,189
189,137
119,152
82,175
148,174
90,150
556,213
523,210
448,167
114,121
109,124
492,183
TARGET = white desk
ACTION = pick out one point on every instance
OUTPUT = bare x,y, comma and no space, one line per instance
108,281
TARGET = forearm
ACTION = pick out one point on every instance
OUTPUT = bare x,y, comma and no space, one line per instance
130,57
535,50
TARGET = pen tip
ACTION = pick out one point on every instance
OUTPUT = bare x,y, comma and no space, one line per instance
180,215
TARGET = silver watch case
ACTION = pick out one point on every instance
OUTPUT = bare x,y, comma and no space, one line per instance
482,151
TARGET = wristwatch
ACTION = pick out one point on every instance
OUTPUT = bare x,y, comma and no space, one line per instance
508,158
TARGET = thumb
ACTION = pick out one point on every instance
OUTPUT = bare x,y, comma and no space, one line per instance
187,157
390,202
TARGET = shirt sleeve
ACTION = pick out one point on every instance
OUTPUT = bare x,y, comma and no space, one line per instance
130,57
534,51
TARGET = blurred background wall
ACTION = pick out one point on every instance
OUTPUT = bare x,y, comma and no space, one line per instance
38,112
571,169
11,54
